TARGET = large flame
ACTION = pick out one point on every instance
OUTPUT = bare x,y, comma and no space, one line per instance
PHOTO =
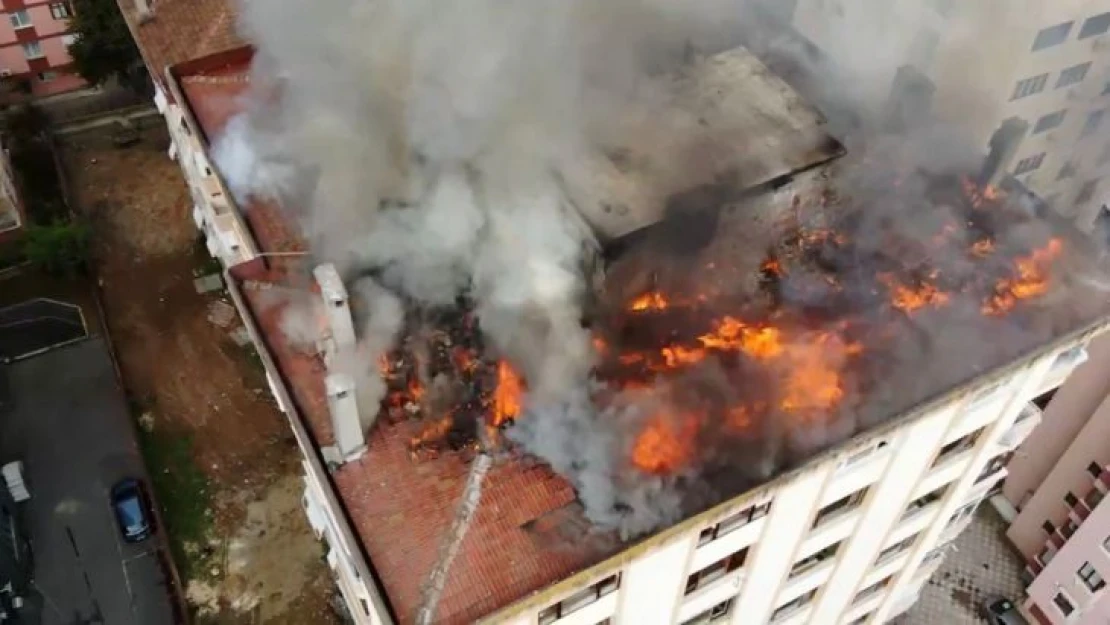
665,445
784,369
1030,279
508,395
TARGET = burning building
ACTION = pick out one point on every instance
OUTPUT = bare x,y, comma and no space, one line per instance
786,381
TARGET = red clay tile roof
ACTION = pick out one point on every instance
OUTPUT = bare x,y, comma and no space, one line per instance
179,30
214,91
402,507
527,533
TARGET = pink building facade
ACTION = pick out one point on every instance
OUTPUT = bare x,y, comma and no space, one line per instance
1057,484
34,39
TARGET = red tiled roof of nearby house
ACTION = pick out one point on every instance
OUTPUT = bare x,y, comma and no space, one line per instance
179,30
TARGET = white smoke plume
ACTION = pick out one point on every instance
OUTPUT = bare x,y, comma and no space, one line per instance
421,140
425,142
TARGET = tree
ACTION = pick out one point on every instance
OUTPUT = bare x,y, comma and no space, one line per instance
103,48
60,249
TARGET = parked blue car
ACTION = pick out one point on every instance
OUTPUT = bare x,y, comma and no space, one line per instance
132,509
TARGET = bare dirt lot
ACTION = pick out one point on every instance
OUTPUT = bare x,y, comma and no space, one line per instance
224,463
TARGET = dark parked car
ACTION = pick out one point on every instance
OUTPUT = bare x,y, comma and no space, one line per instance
1001,611
129,502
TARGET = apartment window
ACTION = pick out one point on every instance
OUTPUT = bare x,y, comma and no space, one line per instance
933,555
736,521
923,501
1073,75
47,76
1048,527
805,564
1069,528
899,547
1063,604
871,590
963,513
1029,164
1042,401
839,506
1067,171
1091,578
580,599
786,610
717,613
1052,36
861,454
715,571
1070,356
1094,119
1095,469
20,19
1086,192
61,10
1050,121
32,50
1094,498
1095,26
1071,500
1048,554
956,447
1030,86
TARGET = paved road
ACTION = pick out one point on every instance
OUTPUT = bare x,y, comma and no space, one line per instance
69,424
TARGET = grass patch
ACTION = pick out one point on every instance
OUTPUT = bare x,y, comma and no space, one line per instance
182,491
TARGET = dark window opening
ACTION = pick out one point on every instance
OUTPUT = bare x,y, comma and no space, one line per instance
1052,36
1063,604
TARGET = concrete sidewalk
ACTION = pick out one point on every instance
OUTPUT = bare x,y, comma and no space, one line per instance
981,563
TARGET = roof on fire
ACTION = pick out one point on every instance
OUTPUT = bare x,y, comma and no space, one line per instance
528,532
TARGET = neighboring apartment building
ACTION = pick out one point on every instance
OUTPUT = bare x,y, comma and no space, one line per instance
1046,62
850,537
11,208
34,58
1055,496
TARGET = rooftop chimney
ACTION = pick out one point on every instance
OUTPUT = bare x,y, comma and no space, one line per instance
1004,144
341,327
350,441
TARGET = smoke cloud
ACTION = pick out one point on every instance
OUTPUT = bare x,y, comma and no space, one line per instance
423,147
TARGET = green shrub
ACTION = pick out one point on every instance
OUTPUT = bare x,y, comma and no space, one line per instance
59,249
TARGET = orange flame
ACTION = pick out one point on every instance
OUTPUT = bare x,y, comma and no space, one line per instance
1030,279
756,341
982,248
663,447
508,396
813,382
908,299
433,432
652,300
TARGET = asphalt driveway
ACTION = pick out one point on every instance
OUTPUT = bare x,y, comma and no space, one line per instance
68,421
